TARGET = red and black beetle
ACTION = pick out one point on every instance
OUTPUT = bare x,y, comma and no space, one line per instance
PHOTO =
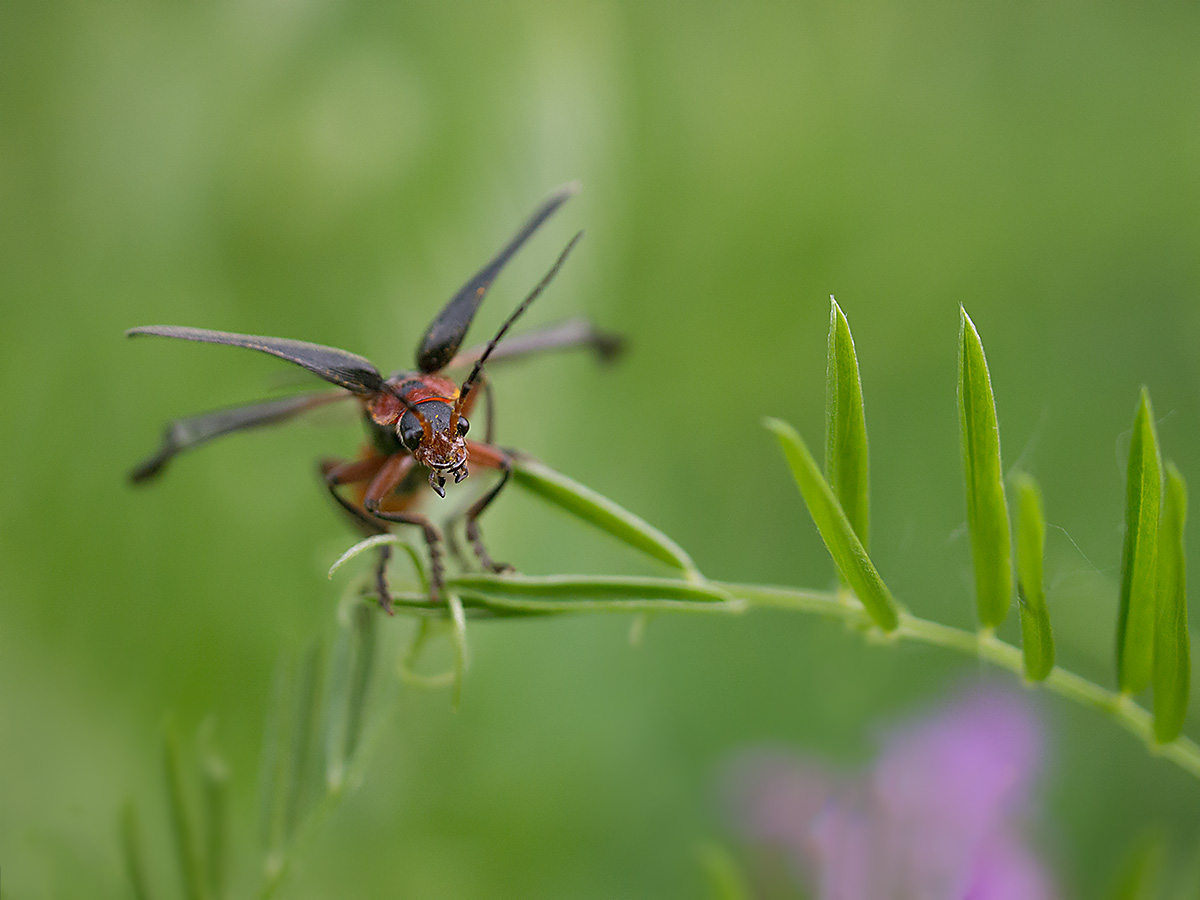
416,420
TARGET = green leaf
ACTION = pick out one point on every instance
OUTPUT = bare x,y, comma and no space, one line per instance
835,529
601,512
365,640
183,823
459,633
1140,874
303,741
721,871
1037,640
1135,627
846,426
1187,886
215,792
131,847
271,768
578,589
987,512
1172,645
333,726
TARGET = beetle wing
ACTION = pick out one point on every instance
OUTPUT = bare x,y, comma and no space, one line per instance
340,367
184,434
446,332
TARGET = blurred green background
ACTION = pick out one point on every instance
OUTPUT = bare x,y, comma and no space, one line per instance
333,171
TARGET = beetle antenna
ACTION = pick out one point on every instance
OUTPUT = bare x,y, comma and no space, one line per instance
467,385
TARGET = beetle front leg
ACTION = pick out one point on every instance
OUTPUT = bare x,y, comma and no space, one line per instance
382,485
335,474
433,540
493,458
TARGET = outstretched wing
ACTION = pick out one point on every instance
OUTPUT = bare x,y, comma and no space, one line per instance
344,369
184,434
446,333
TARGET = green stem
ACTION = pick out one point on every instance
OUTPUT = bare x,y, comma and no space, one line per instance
1182,751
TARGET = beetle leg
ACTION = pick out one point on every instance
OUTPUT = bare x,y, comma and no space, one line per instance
492,458
452,543
335,473
391,474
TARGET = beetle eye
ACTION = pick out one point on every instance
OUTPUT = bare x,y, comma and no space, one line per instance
463,425
410,431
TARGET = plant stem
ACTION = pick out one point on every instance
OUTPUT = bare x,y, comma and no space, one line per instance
1182,751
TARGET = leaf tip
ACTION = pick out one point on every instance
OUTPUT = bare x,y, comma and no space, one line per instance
774,425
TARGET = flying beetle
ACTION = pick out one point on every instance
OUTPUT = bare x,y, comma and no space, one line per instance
416,419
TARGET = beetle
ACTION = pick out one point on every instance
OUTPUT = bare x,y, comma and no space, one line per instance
416,419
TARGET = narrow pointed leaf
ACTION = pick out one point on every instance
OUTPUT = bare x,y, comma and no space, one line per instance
1037,640
600,512
338,690
272,762
183,822
216,822
1172,650
845,426
1141,872
1143,489
459,619
725,878
131,848
303,738
1188,886
365,634
835,529
593,593
987,512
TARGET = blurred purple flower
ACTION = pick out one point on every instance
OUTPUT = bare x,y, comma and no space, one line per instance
936,818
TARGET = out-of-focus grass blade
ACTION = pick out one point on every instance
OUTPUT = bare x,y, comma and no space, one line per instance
459,620
1139,877
1143,488
601,512
1188,885
987,512
724,877
1172,650
272,763
1037,640
216,814
183,824
131,848
835,529
215,792
303,738
846,426
333,726
363,666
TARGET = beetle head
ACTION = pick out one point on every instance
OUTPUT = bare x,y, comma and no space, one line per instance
436,437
